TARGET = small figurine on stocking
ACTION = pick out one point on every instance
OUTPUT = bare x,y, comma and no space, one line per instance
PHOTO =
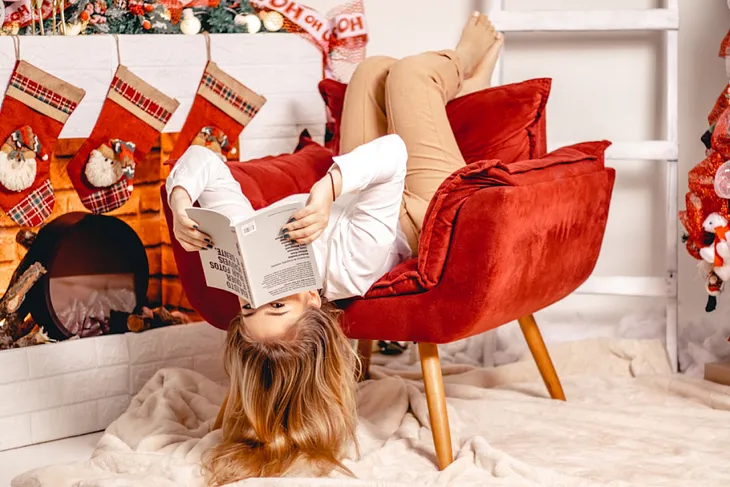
220,111
34,111
131,119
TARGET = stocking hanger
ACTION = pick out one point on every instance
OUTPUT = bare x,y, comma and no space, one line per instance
16,45
119,50
207,44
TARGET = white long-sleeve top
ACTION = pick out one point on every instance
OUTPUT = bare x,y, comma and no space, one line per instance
363,239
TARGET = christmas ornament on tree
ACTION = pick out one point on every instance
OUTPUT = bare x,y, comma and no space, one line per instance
74,29
722,181
273,21
189,24
130,122
251,22
33,113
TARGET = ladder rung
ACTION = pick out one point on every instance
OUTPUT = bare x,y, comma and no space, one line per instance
629,286
589,20
647,150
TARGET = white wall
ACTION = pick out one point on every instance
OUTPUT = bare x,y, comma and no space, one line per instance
606,85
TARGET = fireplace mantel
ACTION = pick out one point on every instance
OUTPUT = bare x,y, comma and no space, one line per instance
284,68
80,386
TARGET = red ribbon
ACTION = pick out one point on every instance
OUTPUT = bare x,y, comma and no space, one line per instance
21,12
340,30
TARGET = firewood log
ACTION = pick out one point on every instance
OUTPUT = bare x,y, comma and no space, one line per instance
11,322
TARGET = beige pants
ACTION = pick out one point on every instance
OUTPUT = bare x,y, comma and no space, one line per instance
407,97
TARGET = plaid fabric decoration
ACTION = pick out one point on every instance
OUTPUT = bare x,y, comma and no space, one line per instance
36,207
108,199
142,102
41,93
228,95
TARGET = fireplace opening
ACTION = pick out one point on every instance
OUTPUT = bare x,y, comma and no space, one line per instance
94,264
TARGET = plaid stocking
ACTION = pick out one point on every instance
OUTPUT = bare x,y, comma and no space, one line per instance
130,122
35,108
220,111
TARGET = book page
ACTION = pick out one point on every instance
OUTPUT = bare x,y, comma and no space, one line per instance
222,265
277,267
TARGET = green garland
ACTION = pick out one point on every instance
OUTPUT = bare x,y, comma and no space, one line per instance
143,17
219,20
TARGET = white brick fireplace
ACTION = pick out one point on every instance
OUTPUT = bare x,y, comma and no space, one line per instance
79,386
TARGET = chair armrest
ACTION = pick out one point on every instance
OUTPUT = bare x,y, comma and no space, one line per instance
441,217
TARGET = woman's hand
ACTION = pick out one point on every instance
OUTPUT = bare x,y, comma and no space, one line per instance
186,230
311,221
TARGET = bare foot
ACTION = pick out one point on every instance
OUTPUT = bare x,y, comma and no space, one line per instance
476,38
482,76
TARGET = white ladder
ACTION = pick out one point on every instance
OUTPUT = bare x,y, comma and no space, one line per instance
663,19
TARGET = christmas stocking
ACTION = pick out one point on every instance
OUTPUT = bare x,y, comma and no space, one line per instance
220,111
35,108
130,122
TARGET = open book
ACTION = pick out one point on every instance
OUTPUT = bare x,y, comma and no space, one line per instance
252,259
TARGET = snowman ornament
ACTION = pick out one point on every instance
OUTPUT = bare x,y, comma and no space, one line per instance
718,253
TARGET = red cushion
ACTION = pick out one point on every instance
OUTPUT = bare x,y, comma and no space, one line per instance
267,180
425,271
333,94
263,181
505,122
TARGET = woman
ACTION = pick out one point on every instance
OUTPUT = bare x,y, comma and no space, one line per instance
292,395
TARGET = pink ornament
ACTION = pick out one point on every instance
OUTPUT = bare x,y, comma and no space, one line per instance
722,181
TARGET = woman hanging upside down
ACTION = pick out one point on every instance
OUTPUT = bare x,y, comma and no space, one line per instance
291,401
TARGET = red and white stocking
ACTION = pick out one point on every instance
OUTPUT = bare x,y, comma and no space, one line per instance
130,122
220,111
34,111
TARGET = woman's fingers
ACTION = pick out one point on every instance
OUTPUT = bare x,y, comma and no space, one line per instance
190,228
307,231
194,236
299,224
311,238
189,245
306,211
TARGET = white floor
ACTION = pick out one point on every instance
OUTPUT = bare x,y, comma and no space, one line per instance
15,462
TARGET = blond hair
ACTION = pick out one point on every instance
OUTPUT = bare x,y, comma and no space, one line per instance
291,398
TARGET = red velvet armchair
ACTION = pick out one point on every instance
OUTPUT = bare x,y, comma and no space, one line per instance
499,242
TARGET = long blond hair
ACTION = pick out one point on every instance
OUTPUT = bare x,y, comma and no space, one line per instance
291,398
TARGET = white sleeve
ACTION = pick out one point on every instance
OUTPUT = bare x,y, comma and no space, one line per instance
197,169
372,163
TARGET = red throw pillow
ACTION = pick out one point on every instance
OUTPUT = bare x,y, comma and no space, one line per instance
269,179
505,122
333,94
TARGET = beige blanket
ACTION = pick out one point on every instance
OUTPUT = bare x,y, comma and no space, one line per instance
626,422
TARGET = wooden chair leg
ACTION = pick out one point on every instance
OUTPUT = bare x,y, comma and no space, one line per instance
541,356
436,399
364,350
219,419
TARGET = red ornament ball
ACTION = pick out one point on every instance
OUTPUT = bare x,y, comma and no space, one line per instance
84,16
148,7
146,25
